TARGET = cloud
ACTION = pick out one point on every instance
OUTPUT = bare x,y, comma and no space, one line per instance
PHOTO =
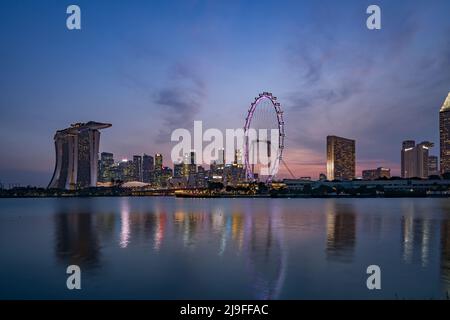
378,88
181,100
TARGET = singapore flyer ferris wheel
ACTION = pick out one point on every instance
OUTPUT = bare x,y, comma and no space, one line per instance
264,114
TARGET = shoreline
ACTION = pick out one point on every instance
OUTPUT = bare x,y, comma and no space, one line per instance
293,196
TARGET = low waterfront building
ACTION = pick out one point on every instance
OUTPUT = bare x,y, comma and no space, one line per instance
377,173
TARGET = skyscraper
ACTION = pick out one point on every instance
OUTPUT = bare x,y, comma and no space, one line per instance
340,158
77,156
193,163
433,167
178,169
158,162
166,174
221,159
406,155
158,169
148,168
238,157
444,134
106,164
137,168
189,164
415,159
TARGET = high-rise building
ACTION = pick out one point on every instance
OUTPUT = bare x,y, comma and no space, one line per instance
415,159
77,156
221,159
166,174
238,158
158,169
444,134
377,173
193,163
126,170
137,168
189,164
148,168
158,162
106,164
340,158
433,166
178,169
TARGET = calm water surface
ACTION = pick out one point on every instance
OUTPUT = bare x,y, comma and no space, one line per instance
168,248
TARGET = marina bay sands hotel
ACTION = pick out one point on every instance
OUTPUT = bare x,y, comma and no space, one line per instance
77,156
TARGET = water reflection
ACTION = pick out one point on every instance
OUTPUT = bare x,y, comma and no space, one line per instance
445,254
76,240
124,223
254,234
341,231
266,254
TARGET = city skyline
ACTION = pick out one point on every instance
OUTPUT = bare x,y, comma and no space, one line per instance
189,158
331,80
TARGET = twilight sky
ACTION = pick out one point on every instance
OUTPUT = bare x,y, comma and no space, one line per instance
149,67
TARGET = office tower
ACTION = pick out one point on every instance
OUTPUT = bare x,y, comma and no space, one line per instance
189,164
105,168
408,156
433,166
407,146
377,173
221,159
444,135
186,162
126,170
238,157
148,168
415,159
193,163
178,169
158,162
217,166
201,177
137,168
158,169
340,158
166,174
77,156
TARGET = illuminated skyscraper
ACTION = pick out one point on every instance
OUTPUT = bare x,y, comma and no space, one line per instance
105,169
166,174
158,169
189,164
178,169
193,163
238,157
415,159
148,168
340,158
158,162
77,156
444,133
137,168
126,170
433,167
221,160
